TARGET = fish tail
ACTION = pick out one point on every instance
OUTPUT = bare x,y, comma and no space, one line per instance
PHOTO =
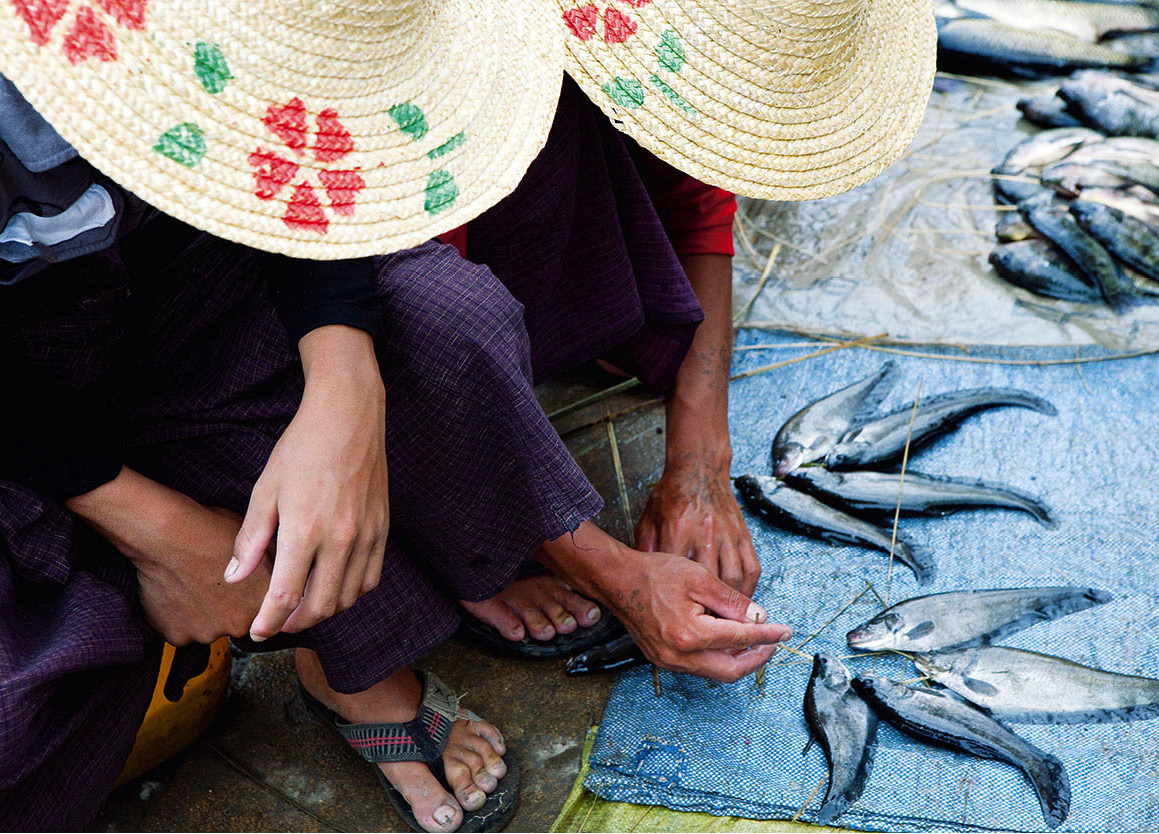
918,559
879,388
1053,788
1025,399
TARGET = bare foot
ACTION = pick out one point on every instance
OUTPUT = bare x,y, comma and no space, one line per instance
541,606
472,757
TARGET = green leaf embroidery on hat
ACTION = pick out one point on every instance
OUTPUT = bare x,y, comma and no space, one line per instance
626,92
210,65
672,95
441,192
670,52
182,143
410,120
448,146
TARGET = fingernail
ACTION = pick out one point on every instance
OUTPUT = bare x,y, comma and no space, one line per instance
594,614
756,614
233,567
257,638
444,814
784,638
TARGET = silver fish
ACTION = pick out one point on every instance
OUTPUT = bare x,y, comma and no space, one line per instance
968,618
1114,105
1033,688
810,433
877,492
944,720
882,440
800,513
1046,111
1028,157
1086,21
845,727
979,43
1141,207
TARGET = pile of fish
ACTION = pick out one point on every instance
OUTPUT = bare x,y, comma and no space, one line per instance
1041,37
982,685
829,456
1086,191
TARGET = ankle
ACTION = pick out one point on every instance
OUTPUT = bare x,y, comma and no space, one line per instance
395,698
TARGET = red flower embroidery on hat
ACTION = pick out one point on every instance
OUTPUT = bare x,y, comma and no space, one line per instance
583,21
290,122
89,35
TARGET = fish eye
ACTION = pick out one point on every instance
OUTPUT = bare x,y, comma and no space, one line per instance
893,622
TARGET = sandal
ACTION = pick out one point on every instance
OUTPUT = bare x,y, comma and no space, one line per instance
479,634
422,739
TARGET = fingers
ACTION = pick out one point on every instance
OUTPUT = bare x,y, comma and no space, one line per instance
727,668
714,633
647,539
253,539
750,565
287,586
731,570
726,602
323,588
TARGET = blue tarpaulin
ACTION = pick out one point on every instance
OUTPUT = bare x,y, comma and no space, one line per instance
737,749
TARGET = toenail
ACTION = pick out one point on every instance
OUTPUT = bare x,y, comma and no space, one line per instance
594,614
444,814
474,796
567,621
486,781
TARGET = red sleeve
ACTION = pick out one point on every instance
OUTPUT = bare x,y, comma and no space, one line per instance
697,217
457,238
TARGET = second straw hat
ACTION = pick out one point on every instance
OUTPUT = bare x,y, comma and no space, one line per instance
778,99
317,129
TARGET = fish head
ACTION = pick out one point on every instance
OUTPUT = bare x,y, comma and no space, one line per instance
831,672
876,687
932,664
878,634
787,456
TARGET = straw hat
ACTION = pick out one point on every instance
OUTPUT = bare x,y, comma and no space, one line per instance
317,129
778,99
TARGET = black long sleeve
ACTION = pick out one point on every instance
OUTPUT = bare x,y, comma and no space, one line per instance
312,294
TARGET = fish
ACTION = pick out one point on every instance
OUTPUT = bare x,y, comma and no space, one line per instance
958,619
809,434
1113,105
940,718
974,43
800,513
1011,226
1057,226
1130,240
1042,268
881,440
1032,688
877,492
1143,44
1069,178
1028,157
620,653
1118,162
846,729
1138,206
1046,111
1086,21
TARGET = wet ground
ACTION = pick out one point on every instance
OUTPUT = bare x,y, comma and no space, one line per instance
269,765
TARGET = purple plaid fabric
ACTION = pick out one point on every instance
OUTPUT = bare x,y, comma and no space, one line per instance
478,477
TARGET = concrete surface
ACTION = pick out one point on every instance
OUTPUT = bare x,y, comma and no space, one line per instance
269,765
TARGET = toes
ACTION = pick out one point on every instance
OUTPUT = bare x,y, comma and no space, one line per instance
490,734
470,795
433,807
563,622
493,765
584,610
537,625
501,618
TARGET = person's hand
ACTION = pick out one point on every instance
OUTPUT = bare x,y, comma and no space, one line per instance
323,491
681,616
182,590
692,512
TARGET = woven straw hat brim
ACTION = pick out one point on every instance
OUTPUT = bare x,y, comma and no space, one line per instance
778,99
318,130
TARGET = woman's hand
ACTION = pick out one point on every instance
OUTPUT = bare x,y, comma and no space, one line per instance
692,512
323,492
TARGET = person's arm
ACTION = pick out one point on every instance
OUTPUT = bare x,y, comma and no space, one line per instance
322,497
692,510
179,549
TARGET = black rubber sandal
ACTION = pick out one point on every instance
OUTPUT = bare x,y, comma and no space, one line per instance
475,632
422,739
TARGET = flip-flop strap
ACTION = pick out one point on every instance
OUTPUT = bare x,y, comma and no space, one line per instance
422,739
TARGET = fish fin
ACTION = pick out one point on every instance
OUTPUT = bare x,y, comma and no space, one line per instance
1079,600
1053,788
918,559
885,379
920,630
808,744
1117,715
979,686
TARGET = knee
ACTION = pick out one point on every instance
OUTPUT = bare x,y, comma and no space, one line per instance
450,315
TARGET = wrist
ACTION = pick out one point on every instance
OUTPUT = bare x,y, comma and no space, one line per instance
337,355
